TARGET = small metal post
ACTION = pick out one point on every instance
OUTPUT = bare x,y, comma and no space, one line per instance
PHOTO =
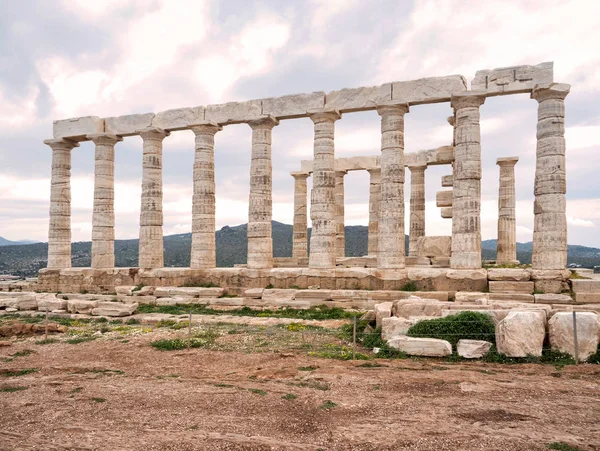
575,337
190,332
46,331
354,340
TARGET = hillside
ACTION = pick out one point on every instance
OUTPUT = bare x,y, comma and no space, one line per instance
27,260
5,242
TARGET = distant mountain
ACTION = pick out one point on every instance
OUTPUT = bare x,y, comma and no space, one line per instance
232,248
5,242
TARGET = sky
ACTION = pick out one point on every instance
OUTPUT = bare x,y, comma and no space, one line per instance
70,58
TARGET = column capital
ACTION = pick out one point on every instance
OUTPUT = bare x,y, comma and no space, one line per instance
467,99
321,115
61,143
417,168
208,127
451,120
267,122
104,138
374,171
392,108
299,175
507,161
548,91
153,133
340,172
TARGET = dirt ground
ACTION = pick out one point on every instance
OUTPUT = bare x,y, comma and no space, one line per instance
122,394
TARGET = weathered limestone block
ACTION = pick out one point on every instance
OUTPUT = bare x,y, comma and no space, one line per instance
560,329
473,349
81,306
254,293
509,274
521,334
49,301
318,296
440,262
178,119
428,90
587,298
446,212
128,125
293,106
447,181
417,261
144,300
434,246
275,294
426,347
192,292
26,303
507,228
77,128
383,310
394,326
175,300
553,299
512,80
498,286
413,306
585,285
125,290
233,112
358,99
114,309
443,198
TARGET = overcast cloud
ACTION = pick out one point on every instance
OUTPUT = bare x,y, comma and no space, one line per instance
69,58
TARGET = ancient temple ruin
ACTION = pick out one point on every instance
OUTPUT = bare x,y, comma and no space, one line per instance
460,268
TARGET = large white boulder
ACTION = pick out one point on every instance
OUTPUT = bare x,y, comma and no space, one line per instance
473,349
415,306
427,347
393,327
383,310
81,306
521,334
560,329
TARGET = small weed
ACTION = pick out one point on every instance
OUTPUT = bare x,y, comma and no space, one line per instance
576,275
132,321
12,388
83,292
295,287
269,287
339,353
409,286
23,353
76,390
227,295
257,391
138,287
307,368
370,365
48,341
102,320
289,397
16,373
562,446
537,292
201,340
328,405
77,340
220,385
99,399
316,385
197,283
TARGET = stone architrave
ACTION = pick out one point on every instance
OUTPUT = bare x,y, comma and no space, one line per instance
322,205
374,201
300,237
466,200
203,254
59,233
260,205
151,252
391,249
340,240
417,207
507,223
550,187
103,216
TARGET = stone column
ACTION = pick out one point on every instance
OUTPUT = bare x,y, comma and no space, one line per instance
507,224
203,201
300,240
550,223
151,253
374,200
340,238
322,201
103,217
466,198
391,248
260,206
417,207
59,233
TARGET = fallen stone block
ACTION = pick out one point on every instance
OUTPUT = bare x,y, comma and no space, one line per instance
473,349
124,290
427,347
50,302
383,310
114,309
26,303
512,297
393,327
511,287
278,295
406,308
81,306
521,334
561,333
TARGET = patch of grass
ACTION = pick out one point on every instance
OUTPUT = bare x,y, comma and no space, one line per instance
227,295
562,446
76,390
289,396
316,385
370,365
77,340
198,283
559,359
297,327
257,391
12,388
594,358
102,320
46,342
220,385
537,292
138,287
328,405
201,340
338,352
307,368
575,275
23,353
99,399
17,373
371,340
132,321
269,287
409,286
465,325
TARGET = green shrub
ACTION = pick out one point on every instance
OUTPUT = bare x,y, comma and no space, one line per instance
465,325
562,446
289,396
595,358
16,373
12,388
328,405
409,286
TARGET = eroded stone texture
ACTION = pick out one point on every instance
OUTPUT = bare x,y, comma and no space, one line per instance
76,129
466,201
512,80
428,90
433,246
178,119
447,181
521,334
391,250
446,212
427,347
550,221
292,106
203,254
472,349
562,337
300,238
128,125
233,112
322,205
443,198
103,216
507,222
151,252
59,233
358,99
260,205
340,237
374,203
417,207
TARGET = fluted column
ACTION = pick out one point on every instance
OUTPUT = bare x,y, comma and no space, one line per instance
466,198
260,206
203,253
550,221
151,252
322,202
340,239
391,250
417,207
103,217
507,225
300,240
374,200
59,232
